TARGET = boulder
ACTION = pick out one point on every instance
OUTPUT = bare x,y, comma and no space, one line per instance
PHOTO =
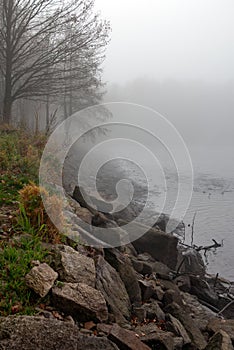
33,332
109,283
41,279
90,202
200,314
30,333
216,324
221,341
74,267
125,339
124,267
175,326
160,245
81,301
201,288
183,316
154,337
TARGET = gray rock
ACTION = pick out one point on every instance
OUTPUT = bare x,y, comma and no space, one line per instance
200,314
183,283
81,301
109,283
215,325
124,267
30,333
154,337
74,267
125,339
221,341
176,327
190,261
161,270
94,343
201,288
183,316
41,279
154,311
160,245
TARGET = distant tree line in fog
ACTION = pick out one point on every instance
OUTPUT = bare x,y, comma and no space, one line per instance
51,53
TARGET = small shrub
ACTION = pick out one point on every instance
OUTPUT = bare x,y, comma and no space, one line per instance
32,213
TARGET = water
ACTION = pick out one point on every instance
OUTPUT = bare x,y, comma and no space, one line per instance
213,202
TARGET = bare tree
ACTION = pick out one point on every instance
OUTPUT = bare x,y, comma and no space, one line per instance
35,48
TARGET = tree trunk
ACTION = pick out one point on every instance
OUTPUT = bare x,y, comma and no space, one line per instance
7,107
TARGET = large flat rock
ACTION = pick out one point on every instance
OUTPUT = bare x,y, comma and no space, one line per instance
39,333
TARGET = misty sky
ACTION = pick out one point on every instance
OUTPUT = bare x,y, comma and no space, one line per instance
177,56
173,39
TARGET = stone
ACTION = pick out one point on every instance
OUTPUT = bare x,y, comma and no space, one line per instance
147,289
93,204
221,341
81,301
190,261
34,332
172,295
74,267
183,316
85,215
201,288
158,293
95,343
176,327
183,283
124,267
109,283
216,324
125,339
41,279
154,337
139,312
154,311
161,270
160,245
200,314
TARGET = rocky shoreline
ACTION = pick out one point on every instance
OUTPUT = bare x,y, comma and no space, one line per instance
151,294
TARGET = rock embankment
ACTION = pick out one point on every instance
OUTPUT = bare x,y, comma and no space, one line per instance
145,295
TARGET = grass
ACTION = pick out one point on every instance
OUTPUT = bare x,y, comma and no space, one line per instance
15,263
21,235
19,162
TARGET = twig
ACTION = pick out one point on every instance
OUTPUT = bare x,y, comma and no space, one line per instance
225,307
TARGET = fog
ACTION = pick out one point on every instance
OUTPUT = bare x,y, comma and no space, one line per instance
177,57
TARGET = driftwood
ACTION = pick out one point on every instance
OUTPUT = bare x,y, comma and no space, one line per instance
208,247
